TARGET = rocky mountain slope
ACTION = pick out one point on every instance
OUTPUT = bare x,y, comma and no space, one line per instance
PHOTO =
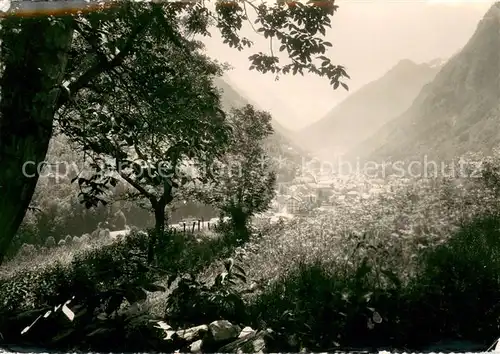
458,112
368,109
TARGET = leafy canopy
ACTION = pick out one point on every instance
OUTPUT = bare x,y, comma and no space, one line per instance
105,40
160,110
243,180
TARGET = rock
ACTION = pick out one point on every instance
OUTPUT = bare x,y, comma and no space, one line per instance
165,329
223,330
193,333
246,331
252,343
258,345
195,347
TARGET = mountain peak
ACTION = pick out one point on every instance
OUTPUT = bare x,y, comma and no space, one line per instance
366,110
494,11
457,112
491,18
404,64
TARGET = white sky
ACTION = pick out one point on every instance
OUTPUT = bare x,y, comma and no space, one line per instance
368,37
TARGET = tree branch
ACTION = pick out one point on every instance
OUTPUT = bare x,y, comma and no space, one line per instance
136,185
103,66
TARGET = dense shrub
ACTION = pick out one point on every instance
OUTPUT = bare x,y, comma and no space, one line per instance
453,293
195,301
99,280
316,307
106,280
460,281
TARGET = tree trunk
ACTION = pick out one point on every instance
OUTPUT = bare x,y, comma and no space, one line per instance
35,53
159,232
240,220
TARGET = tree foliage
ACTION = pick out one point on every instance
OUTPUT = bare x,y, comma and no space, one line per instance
242,182
151,122
51,62
161,111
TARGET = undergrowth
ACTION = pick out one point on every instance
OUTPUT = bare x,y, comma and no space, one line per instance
411,268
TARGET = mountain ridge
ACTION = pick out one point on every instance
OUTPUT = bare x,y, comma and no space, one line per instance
367,109
281,147
458,112
234,98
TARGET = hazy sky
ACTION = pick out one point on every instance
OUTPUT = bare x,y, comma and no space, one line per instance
369,37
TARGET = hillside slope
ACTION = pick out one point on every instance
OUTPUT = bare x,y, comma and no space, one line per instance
232,98
368,109
281,147
458,112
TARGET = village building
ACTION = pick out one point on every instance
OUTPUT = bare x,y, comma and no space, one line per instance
293,204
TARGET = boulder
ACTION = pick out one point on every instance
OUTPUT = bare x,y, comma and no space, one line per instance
246,331
195,347
223,330
193,333
252,343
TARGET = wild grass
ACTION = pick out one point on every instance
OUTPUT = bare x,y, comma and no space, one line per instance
92,275
392,230
413,257
39,258
44,257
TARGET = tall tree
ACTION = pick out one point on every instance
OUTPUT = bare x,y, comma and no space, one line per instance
163,114
49,61
243,182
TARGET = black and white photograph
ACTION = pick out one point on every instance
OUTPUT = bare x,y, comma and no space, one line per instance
249,176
